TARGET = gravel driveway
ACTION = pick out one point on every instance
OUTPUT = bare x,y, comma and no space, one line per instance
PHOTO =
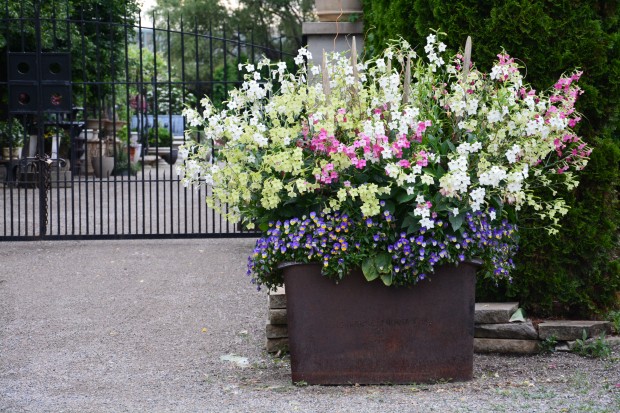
175,326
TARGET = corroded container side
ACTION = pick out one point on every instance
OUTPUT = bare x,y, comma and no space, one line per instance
363,332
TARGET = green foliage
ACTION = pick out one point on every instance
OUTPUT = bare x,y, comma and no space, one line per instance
614,318
123,165
577,272
595,348
12,133
548,345
549,37
160,137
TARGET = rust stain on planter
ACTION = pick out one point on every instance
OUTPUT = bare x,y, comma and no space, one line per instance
366,333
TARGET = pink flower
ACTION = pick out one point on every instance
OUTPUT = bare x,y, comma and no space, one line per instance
404,163
572,122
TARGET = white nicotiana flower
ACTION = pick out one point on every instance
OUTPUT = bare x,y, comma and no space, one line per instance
420,199
525,171
427,179
472,106
511,154
192,116
492,177
315,70
381,65
515,181
494,116
260,140
529,101
410,178
492,215
477,197
496,71
558,123
455,211
532,127
392,169
427,223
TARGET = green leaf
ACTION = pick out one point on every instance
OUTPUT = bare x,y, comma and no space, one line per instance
404,197
387,279
390,206
408,221
383,263
456,221
369,269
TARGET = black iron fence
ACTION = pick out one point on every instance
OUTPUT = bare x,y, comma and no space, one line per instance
90,121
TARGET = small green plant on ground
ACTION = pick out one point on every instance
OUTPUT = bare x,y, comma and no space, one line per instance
614,318
548,345
596,348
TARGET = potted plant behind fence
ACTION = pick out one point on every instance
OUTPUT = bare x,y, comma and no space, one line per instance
103,159
160,143
390,179
11,138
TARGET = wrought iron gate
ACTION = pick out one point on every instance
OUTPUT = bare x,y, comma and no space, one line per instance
91,122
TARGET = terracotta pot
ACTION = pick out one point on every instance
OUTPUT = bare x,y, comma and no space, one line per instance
364,332
337,10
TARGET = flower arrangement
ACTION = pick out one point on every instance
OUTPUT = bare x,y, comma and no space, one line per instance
396,164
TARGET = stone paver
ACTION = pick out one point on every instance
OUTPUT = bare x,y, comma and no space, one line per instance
494,313
522,331
505,346
566,330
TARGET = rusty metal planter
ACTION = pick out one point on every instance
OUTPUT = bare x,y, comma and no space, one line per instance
364,332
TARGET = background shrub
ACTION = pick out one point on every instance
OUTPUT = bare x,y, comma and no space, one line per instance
577,272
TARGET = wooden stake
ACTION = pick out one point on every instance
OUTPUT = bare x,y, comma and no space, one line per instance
407,81
467,59
354,61
326,88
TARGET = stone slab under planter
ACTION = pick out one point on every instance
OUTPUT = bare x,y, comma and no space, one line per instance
494,313
506,346
520,331
568,330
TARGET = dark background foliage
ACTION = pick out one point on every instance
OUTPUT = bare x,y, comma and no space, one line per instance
576,273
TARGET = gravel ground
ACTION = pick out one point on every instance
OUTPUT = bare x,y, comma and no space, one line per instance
166,326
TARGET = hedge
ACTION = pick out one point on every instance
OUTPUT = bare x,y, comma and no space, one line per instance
577,272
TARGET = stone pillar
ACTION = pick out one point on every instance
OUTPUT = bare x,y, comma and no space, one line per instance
332,34
332,37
